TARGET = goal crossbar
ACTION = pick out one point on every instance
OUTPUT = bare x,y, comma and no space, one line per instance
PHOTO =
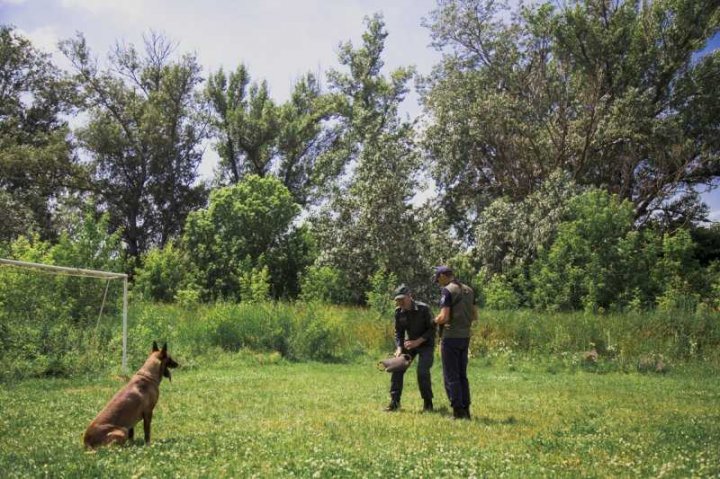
88,273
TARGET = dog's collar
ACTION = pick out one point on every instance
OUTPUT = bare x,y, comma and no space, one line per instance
147,376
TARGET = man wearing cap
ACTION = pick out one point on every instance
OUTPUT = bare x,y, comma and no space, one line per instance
414,335
457,313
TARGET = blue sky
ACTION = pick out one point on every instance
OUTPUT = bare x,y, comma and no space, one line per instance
279,40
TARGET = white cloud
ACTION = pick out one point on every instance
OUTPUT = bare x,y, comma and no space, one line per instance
43,38
132,9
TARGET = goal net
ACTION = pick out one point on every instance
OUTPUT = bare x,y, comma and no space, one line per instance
30,305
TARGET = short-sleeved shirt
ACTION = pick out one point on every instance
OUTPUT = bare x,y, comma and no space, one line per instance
414,323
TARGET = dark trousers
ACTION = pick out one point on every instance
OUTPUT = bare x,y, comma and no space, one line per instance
425,362
454,352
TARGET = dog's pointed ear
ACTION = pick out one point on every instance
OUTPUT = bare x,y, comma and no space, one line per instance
155,348
163,351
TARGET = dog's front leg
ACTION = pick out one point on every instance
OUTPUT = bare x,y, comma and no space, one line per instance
131,433
147,419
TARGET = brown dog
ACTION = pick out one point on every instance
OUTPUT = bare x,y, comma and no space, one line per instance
116,422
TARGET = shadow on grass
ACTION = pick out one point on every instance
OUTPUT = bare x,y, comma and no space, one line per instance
484,420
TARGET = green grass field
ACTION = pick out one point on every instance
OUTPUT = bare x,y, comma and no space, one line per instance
258,416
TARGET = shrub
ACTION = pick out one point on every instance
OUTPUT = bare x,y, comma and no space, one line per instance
162,275
499,293
242,224
325,284
255,285
380,297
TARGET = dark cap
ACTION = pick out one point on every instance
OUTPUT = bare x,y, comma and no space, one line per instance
401,291
441,270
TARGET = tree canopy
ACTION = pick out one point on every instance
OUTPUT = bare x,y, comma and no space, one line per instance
566,142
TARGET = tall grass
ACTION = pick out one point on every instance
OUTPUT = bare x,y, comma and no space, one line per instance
317,332
297,332
674,334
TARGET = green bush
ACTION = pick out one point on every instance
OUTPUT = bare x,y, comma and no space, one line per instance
498,293
255,285
245,226
380,297
162,275
325,284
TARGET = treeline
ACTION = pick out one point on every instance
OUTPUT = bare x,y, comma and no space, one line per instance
566,146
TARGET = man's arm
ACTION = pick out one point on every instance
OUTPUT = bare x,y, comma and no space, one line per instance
399,336
444,316
430,332
445,303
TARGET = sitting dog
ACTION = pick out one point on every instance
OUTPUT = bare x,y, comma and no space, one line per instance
116,422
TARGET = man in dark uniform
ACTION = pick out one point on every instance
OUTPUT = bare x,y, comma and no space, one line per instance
457,313
414,335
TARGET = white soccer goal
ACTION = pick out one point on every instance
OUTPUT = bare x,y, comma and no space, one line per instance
89,273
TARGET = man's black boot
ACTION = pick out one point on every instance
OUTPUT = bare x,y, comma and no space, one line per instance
428,405
457,413
466,413
393,406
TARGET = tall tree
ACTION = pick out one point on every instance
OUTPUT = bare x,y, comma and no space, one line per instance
368,223
37,165
143,136
256,136
606,90
305,136
245,119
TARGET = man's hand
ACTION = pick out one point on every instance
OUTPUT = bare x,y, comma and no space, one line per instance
398,352
413,343
443,317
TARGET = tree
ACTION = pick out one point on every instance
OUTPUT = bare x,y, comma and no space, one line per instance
368,223
509,234
37,165
305,136
256,136
607,91
245,119
143,137
242,230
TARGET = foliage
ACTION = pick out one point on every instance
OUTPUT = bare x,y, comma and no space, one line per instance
240,230
498,293
36,160
163,274
324,284
368,223
380,297
509,234
51,324
584,267
247,122
256,136
255,284
598,261
609,92
143,137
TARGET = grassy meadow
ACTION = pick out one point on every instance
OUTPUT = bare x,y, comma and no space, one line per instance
258,415
291,390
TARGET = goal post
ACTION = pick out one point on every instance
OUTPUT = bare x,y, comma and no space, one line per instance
89,273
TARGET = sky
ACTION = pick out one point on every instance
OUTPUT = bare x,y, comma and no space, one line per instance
278,40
